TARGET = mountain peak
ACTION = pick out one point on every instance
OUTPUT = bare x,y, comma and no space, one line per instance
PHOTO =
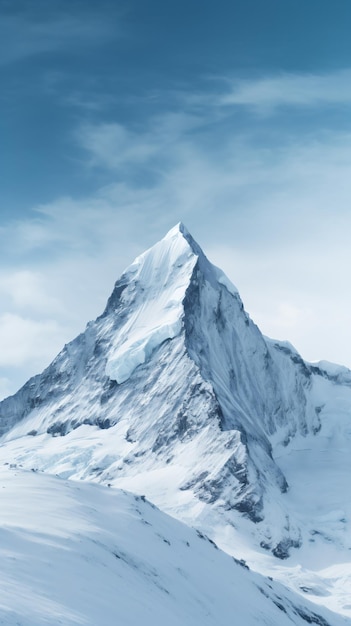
173,245
181,231
178,228
152,289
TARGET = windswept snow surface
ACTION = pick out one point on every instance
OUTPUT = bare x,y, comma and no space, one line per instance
160,280
78,554
174,393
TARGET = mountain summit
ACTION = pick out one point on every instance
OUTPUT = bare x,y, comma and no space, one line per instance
175,393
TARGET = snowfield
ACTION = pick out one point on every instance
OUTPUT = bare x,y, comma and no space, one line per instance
81,554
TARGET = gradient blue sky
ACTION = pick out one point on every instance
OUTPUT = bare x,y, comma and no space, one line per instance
119,119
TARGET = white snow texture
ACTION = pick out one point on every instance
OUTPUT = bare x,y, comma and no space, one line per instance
173,393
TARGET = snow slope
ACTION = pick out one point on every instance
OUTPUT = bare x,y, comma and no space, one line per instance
173,392
74,554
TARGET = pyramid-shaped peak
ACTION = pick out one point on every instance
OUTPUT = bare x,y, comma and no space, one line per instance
173,249
180,231
172,259
152,292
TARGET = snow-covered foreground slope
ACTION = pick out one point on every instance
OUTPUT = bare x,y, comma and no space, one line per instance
174,393
79,554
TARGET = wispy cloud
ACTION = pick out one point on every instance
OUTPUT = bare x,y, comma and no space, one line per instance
23,35
28,292
157,143
292,90
25,341
112,145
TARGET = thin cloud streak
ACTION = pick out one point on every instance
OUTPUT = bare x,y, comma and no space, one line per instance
22,37
293,90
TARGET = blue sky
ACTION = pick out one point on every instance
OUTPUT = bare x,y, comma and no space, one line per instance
118,119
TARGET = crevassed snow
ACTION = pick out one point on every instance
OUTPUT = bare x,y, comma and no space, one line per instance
130,354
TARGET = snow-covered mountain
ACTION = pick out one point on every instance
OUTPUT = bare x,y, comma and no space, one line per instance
174,393
93,555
